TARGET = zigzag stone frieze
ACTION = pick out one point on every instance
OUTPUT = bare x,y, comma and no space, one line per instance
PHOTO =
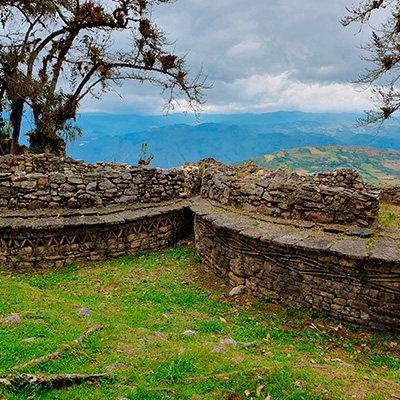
54,238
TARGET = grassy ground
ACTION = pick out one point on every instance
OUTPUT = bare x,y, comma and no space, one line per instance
389,215
146,302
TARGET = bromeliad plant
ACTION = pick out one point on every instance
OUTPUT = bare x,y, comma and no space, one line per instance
54,53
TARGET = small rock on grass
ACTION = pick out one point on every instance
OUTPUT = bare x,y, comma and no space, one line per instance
116,366
30,340
218,349
253,345
84,312
230,341
157,335
237,290
12,319
189,333
4,382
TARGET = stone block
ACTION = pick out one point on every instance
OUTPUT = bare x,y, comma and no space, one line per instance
106,185
235,280
319,217
351,248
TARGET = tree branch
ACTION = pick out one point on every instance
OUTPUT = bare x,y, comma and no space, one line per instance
59,380
61,349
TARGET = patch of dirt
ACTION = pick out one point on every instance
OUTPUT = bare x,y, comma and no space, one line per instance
353,388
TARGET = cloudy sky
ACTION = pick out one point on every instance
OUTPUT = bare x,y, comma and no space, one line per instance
260,56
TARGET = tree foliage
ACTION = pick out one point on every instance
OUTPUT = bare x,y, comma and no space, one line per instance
53,53
384,55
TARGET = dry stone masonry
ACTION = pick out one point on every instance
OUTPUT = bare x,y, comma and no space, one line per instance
389,194
46,181
303,241
339,197
51,238
355,279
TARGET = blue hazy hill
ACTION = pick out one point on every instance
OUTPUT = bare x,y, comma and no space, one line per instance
176,139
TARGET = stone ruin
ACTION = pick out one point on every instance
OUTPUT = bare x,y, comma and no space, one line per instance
46,181
340,197
304,241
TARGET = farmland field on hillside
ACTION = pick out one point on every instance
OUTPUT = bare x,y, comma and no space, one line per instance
379,166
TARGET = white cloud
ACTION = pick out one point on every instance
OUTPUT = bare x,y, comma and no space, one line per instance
246,47
265,93
256,93
261,56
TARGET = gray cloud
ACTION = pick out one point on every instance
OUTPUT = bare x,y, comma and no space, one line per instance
261,56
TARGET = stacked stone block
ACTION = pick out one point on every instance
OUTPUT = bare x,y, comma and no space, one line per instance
356,280
46,181
335,198
46,239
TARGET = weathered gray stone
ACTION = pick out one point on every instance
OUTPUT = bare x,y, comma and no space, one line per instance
189,333
106,185
47,224
237,290
127,199
156,336
117,366
91,186
218,349
384,249
292,238
229,341
354,248
35,176
74,180
84,312
36,204
112,219
30,340
317,244
5,382
12,319
57,177
253,345
73,203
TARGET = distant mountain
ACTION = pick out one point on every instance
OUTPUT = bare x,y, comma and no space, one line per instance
177,138
375,165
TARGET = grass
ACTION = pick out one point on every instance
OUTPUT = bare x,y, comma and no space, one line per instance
389,215
147,301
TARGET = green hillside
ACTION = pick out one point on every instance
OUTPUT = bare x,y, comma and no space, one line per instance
375,165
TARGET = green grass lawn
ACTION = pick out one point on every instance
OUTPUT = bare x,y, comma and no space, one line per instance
145,302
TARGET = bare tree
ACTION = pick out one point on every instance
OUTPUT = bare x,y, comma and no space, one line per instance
53,53
384,55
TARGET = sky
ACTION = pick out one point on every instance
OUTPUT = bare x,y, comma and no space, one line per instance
260,56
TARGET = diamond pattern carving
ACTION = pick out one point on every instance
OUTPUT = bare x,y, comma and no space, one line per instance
102,235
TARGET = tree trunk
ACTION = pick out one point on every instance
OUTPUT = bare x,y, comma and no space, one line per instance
17,110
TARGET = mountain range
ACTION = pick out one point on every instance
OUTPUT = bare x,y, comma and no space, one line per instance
176,139
375,165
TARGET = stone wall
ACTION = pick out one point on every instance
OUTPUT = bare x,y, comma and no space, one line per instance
390,194
46,181
43,239
339,197
56,212
356,280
